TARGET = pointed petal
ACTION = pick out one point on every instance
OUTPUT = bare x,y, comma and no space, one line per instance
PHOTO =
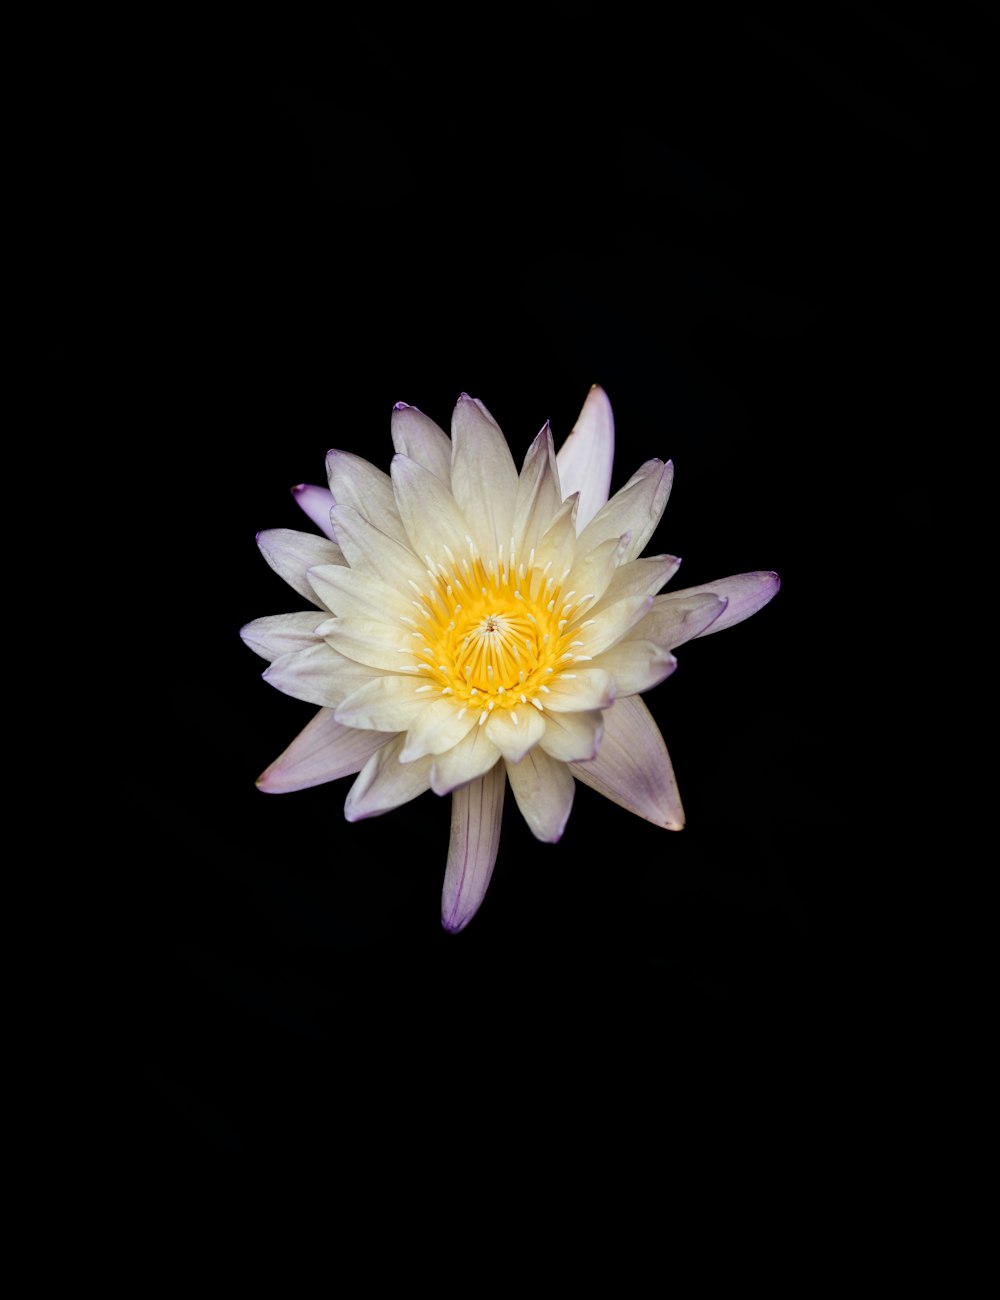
351,594
675,618
290,554
538,493
384,782
369,549
515,731
316,502
476,817
585,459
635,509
470,758
380,645
322,751
441,725
430,514
279,634
358,483
633,767
627,599
544,790
483,475
746,593
382,704
557,545
417,436
318,675
636,666
577,690
572,737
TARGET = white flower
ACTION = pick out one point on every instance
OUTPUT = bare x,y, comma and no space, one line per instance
475,625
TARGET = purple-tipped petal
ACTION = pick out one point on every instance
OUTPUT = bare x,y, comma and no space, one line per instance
483,475
316,502
416,435
476,815
585,459
275,635
291,553
746,593
355,482
322,751
632,767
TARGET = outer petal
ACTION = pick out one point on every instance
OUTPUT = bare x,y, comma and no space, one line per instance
371,550
279,634
384,703
384,782
470,758
322,751
483,475
318,675
356,482
515,731
585,459
417,436
476,816
573,737
635,509
544,790
633,767
290,554
746,593
636,666
316,502
539,495
677,617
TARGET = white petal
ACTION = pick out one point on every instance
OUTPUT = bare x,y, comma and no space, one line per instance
745,592
593,572
579,689
585,459
370,550
356,482
515,731
675,618
636,666
358,595
468,759
437,728
633,767
417,436
322,751
380,645
382,704
316,502
628,598
384,782
483,475
318,675
430,514
635,509
557,545
290,554
538,493
544,790
279,634
476,817
571,737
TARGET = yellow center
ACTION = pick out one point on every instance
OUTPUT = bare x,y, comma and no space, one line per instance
493,635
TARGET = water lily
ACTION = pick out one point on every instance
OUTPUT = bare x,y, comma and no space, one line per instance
472,625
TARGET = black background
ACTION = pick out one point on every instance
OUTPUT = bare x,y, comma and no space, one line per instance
763,233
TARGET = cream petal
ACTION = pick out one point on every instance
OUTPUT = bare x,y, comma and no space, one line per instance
746,593
441,725
515,731
383,703
675,618
483,475
539,495
430,514
476,817
359,595
572,737
358,483
385,783
593,573
557,545
290,554
578,690
633,767
636,666
544,789
279,634
370,550
322,751
318,675
635,508
586,457
417,436
316,502
627,599
470,758
394,649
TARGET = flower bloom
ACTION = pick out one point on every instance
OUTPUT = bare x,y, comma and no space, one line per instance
473,626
